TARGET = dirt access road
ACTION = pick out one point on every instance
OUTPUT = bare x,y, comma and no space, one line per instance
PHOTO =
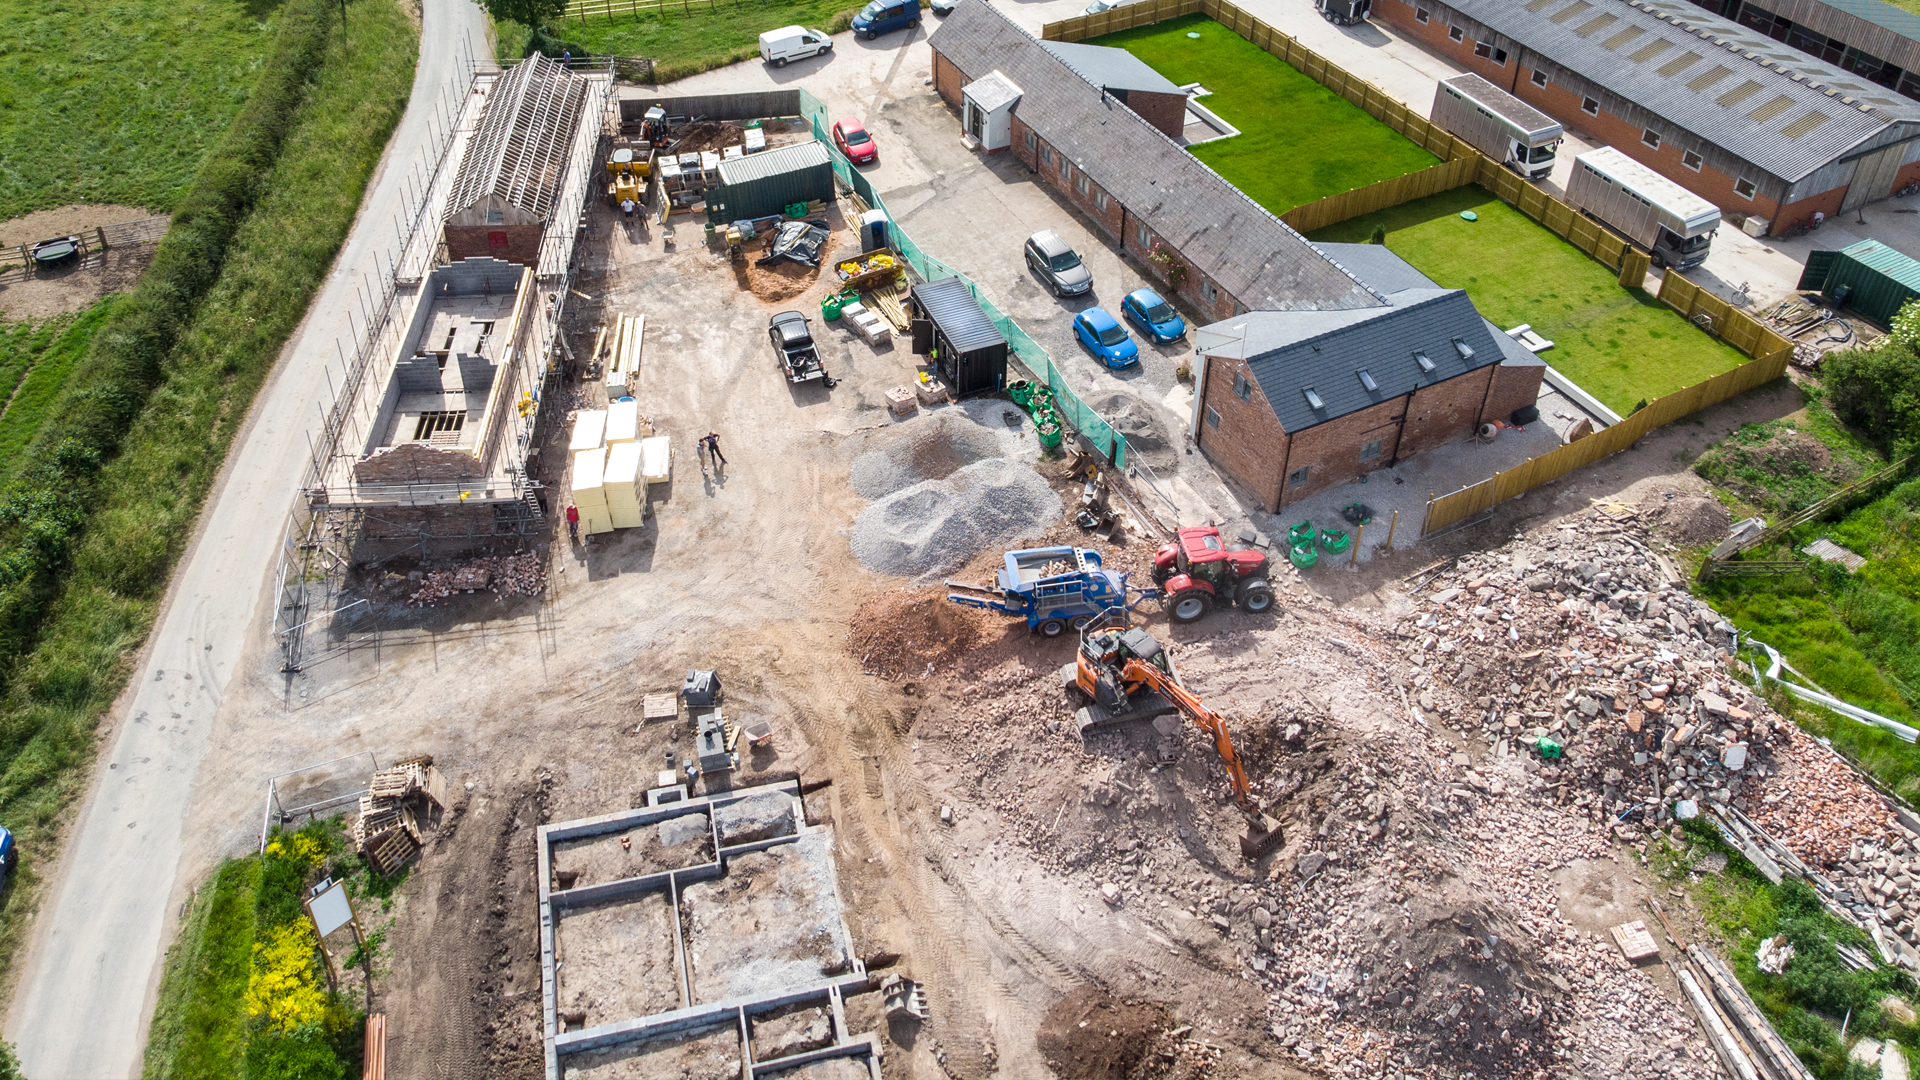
86,990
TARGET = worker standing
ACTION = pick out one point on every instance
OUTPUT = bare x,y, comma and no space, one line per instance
712,443
573,523
626,207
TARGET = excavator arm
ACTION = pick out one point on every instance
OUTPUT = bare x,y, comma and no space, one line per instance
1138,673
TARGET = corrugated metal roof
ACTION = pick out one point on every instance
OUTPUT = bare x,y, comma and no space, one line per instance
1883,15
519,150
799,156
1689,87
952,307
1880,257
1115,69
1221,232
1292,352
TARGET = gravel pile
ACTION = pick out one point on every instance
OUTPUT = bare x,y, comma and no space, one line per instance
934,445
937,526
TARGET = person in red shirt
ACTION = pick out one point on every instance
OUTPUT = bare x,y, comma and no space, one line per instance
573,523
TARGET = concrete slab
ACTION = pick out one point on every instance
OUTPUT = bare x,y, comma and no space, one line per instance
773,922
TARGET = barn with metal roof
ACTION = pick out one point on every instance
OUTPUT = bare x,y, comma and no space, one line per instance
512,172
1757,128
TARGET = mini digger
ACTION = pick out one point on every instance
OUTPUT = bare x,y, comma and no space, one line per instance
1126,676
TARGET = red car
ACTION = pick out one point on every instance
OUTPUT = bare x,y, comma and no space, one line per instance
850,135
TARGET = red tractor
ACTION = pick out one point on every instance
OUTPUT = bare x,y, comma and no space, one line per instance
1199,570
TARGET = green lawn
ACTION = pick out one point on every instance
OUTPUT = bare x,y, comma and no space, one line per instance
1298,141
119,100
708,36
1622,346
34,361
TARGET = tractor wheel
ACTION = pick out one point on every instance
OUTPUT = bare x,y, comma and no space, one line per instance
1052,628
1189,605
1256,596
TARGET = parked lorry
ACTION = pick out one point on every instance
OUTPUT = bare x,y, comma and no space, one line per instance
1672,224
1053,588
1344,12
1498,124
793,347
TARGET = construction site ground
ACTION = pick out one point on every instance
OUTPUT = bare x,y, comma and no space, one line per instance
1079,908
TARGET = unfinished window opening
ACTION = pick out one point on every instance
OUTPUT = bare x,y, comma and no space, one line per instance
1651,138
1486,51
1691,160
1421,14
1454,33
447,345
439,427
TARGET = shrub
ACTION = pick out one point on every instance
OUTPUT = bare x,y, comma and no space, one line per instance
1878,391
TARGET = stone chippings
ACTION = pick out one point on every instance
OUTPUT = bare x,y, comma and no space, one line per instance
937,526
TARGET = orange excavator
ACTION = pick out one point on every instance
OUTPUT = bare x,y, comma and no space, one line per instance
1126,677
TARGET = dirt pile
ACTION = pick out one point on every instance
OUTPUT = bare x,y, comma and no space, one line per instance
778,283
912,632
1091,1035
1691,520
1144,430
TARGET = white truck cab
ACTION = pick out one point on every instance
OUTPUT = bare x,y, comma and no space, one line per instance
777,47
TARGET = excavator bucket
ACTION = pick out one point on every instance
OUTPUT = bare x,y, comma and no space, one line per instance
1263,838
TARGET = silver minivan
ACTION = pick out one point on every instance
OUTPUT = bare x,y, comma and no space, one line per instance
1057,264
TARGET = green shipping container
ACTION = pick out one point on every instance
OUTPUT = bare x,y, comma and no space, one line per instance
764,184
1878,279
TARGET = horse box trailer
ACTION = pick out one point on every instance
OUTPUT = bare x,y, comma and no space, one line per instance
1674,225
1498,124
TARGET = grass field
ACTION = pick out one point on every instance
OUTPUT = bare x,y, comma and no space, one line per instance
1622,346
1298,141
34,361
707,37
142,507
119,100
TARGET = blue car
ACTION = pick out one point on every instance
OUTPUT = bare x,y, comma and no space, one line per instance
886,16
6,857
1102,333
1153,316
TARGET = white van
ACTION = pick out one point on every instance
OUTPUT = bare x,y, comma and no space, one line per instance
793,43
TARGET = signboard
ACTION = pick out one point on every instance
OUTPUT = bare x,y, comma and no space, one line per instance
330,909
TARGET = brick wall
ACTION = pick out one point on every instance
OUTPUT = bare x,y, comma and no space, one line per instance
1331,452
1168,112
1513,388
513,243
1139,239
416,462
1445,411
1434,34
947,79
1249,444
1827,202
1080,190
449,521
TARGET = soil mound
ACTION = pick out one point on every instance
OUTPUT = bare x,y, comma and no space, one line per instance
1693,520
1145,432
902,631
1092,1035
780,282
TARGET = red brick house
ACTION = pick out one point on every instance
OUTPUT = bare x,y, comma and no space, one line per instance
1329,360
1748,123
510,175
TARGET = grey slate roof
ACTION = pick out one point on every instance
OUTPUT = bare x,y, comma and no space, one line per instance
952,307
1325,351
1724,82
1221,232
1115,69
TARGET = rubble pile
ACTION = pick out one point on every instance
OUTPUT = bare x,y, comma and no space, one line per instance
503,575
1820,808
1581,651
401,803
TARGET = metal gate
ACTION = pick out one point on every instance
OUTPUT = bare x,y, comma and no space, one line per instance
1873,177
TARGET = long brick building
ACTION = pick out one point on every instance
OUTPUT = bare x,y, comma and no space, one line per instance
1305,323
1751,125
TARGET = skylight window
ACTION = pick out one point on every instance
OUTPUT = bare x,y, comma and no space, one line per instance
1421,359
1366,380
1313,399
1465,350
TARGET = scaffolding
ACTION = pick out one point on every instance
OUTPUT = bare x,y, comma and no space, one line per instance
338,525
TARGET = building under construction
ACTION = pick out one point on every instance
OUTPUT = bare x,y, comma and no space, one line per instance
424,450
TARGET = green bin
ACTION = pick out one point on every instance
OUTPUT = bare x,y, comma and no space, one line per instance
1303,555
1300,534
830,308
1333,541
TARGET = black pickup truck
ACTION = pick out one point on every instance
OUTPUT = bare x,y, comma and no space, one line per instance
793,346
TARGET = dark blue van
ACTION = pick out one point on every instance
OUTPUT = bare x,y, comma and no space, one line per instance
886,16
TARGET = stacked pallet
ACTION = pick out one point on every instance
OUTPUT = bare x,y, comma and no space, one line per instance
623,355
625,493
400,804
